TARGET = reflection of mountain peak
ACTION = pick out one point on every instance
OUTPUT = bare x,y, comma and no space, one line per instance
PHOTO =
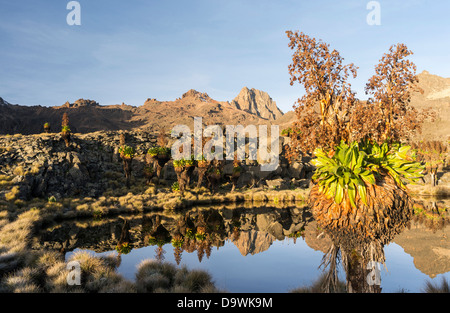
430,251
253,242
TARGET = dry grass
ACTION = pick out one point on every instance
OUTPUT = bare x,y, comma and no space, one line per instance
19,171
443,287
22,270
10,196
26,280
154,276
428,190
318,286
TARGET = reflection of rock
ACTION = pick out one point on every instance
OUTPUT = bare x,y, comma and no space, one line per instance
316,239
253,242
269,223
430,250
252,229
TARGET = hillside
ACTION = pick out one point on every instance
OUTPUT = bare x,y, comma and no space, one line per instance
89,116
436,95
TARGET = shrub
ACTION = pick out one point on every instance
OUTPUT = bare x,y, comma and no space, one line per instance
154,151
124,248
175,186
127,152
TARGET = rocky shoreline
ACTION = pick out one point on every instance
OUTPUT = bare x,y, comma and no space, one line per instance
43,166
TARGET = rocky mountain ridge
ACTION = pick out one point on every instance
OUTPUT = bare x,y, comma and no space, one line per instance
89,116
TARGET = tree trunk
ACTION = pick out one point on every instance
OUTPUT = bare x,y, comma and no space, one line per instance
362,276
66,137
201,174
234,180
433,175
127,169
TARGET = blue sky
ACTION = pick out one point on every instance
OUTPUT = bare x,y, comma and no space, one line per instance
128,51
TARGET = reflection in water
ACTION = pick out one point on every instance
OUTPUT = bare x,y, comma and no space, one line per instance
202,231
362,254
198,230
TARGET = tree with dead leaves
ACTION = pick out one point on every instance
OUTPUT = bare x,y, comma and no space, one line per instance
391,115
323,112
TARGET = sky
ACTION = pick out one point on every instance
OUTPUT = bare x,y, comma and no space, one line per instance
128,51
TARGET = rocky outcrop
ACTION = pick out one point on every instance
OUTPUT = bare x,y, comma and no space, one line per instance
19,119
3,102
42,166
196,95
80,103
257,102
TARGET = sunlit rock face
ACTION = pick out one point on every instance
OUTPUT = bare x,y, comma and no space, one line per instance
257,102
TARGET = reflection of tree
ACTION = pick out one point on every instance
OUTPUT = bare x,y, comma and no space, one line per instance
431,214
208,248
160,253
360,258
433,154
124,243
236,225
297,234
330,260
177,251
159,236
177,242
200,252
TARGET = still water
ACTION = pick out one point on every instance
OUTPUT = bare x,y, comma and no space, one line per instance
250,249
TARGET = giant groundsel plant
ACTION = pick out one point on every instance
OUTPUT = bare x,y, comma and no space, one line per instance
347,171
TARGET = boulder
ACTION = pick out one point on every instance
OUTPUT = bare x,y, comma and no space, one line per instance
296,170
246,179
278,183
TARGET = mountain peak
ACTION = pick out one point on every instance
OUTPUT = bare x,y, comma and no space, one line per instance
80,103
257,102
192,93
3,102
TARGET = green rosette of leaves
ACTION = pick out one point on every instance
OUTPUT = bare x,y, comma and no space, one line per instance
353,167
127,152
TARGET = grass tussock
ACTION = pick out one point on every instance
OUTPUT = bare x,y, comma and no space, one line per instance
318,286
154,276
12,195
442,287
